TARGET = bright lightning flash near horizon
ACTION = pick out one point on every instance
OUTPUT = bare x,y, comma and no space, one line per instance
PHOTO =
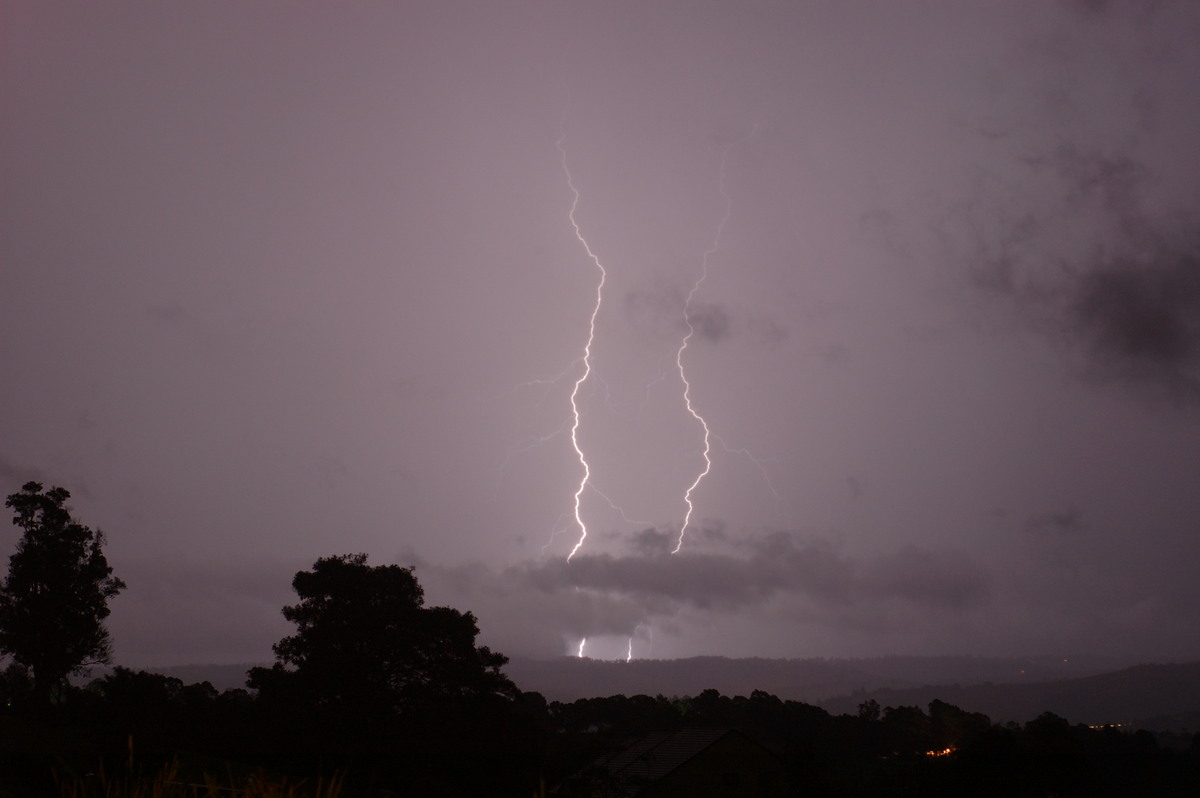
629,647
691,330
587,356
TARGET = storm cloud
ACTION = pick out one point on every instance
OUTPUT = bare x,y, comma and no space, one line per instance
1088,230
765,567
661,312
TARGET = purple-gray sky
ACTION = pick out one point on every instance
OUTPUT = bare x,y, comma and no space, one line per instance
284,280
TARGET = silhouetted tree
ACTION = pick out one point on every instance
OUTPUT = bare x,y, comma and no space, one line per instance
365,641
908,730
55,599
374,676
869,710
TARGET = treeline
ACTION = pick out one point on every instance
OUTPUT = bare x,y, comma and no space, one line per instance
900,751
146,722
516,745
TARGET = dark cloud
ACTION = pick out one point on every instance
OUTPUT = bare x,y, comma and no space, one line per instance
698,580
546,606
752,572
1065,521
660,310
518,617
1087,264
1085,221
709,321
1143,323
652,542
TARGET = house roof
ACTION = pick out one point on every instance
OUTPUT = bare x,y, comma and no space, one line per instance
651,758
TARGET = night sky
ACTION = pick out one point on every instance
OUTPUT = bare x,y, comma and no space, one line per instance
287,280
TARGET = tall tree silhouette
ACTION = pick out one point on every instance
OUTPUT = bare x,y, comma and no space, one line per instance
55,599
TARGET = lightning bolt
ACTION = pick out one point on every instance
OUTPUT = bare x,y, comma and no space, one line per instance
629,648
618,509
555,529
587,353
762,469
582,643
691,331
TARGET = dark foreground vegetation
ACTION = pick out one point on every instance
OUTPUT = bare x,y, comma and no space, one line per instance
376,694
119,735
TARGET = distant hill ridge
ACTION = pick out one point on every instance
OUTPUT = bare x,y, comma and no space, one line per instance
811,680
1083,690
1159,697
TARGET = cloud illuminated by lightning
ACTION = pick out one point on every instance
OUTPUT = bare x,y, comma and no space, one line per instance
587,354
691,330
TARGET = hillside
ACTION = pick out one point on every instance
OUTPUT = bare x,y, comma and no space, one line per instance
808,680
1159,697
811,680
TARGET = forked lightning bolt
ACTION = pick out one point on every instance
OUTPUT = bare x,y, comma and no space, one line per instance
691,330
587,354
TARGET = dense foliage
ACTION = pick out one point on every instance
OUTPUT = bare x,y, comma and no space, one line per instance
891,751
55,599
376,681
366,645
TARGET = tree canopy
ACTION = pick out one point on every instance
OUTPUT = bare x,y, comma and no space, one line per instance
366,644
55,599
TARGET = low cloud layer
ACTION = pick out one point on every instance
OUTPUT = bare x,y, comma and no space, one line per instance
753,572
1042,587
774,574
